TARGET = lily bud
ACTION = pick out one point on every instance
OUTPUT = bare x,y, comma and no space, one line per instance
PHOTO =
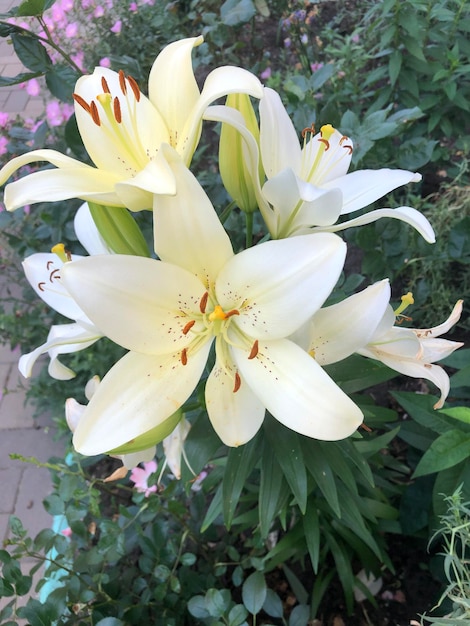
236,174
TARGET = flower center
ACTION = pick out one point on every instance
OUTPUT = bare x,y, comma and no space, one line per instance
315,162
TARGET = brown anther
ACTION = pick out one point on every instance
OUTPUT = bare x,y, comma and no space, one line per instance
41,286
203,302
48,265
54,274
366,428
117,110
326,142
68,254
310,129
238,382
428,366
104,84
232,313
254,350
122,82
83,103
188,327
343,139
348,148
94,113
403,318
184,356
134,87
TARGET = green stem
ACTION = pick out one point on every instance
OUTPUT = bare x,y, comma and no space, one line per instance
249,229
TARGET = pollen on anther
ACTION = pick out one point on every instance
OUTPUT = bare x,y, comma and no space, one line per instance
348,148
238,382
83,103
122,82
254,350
203,302
184,356
310,129
104,84
188,327
134,87
41,286
326,142
94,113
117,110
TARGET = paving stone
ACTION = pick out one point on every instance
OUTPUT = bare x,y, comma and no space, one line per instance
10,479
4,518
29,507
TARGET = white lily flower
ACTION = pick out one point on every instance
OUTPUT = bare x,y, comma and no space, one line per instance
43,272
168,313
308,187
123,130
413,351
173,446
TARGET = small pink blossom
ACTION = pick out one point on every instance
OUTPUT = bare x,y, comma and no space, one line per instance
139,476
86,4
355,38
79,59
197,482
105,62
133,7
3,145
32,87
71,30
4,119
57,114
266,73
316,66
99,11
67,532
116,28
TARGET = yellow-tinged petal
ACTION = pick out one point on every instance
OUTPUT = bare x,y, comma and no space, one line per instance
139,394
298,392
139,303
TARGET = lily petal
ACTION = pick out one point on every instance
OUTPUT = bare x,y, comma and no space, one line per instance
339,330
404,213
298,392
363,187
87,233
282,282
443,328
137,302
187,230
138,394
235,415
62,339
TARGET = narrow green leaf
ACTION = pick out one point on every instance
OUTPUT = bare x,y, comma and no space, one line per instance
287,449
7,81
460,413
254,592
119,230
214,510
320,586
311,523
296,586
343,568
447,450
270,488
394,65
318,466
240,463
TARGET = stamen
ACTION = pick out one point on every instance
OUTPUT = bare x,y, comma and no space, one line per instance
254,350
49,263
104,84
122,82
310,129
238,382
184,356
326,142
232,313
117,110
41,286
134,87
348,148
343,139
83,103
365,427
188,327
94,113
203,302
327,130
54,274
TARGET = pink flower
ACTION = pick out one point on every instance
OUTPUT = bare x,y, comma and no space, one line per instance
355,38
71,30
265,73
105,62
32,87
117,27
67,532
4,119
79,59
139,476
316,66
133,7
3,145
57,114
99,11
86,4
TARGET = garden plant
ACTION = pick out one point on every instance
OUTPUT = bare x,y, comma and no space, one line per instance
242,231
